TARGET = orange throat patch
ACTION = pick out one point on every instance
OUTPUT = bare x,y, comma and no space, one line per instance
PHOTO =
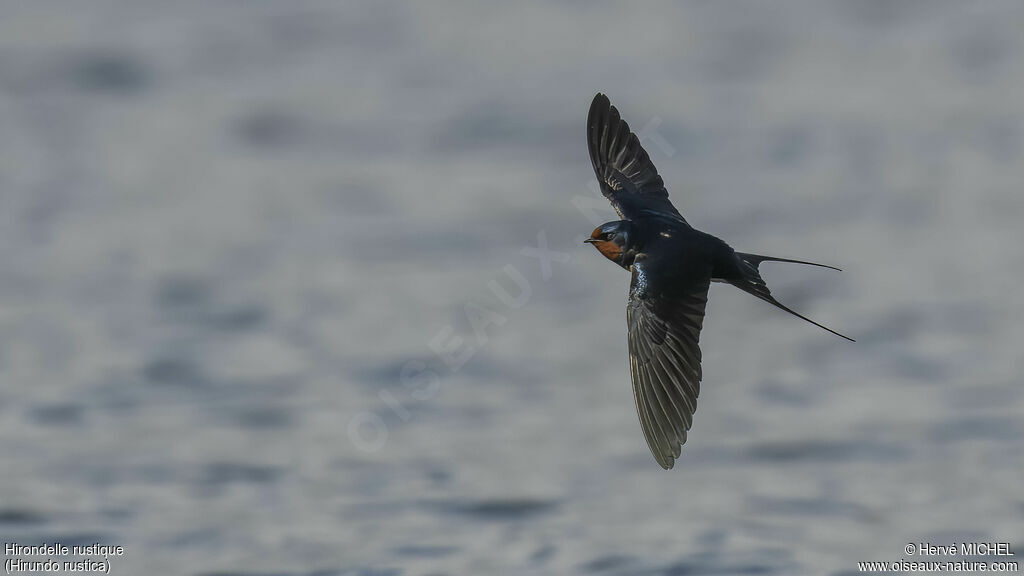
610,250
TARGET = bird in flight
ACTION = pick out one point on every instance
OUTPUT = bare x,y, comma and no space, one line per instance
672,264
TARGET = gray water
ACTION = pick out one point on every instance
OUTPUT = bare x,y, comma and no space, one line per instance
232,231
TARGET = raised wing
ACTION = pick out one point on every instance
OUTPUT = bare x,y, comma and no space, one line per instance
628,178
664,362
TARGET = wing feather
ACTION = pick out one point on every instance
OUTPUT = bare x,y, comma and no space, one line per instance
627,176
664,358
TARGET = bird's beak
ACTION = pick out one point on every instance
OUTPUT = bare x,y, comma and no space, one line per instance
589,241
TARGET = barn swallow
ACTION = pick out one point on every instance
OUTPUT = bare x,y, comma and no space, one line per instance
672,264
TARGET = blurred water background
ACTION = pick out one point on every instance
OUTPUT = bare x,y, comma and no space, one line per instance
232,231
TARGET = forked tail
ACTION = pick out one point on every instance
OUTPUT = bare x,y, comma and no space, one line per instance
754,284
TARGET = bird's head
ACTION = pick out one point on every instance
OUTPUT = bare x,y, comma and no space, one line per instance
613,241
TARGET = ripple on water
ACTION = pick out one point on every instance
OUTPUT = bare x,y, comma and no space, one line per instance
688,568
824,451
68,539
326,572
167,371
263,417
59,414
192,300
270,129
977,428
419,551
497,509
110,73
543,554
611,563
218,473
177,292
20,517
809,507
240,318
